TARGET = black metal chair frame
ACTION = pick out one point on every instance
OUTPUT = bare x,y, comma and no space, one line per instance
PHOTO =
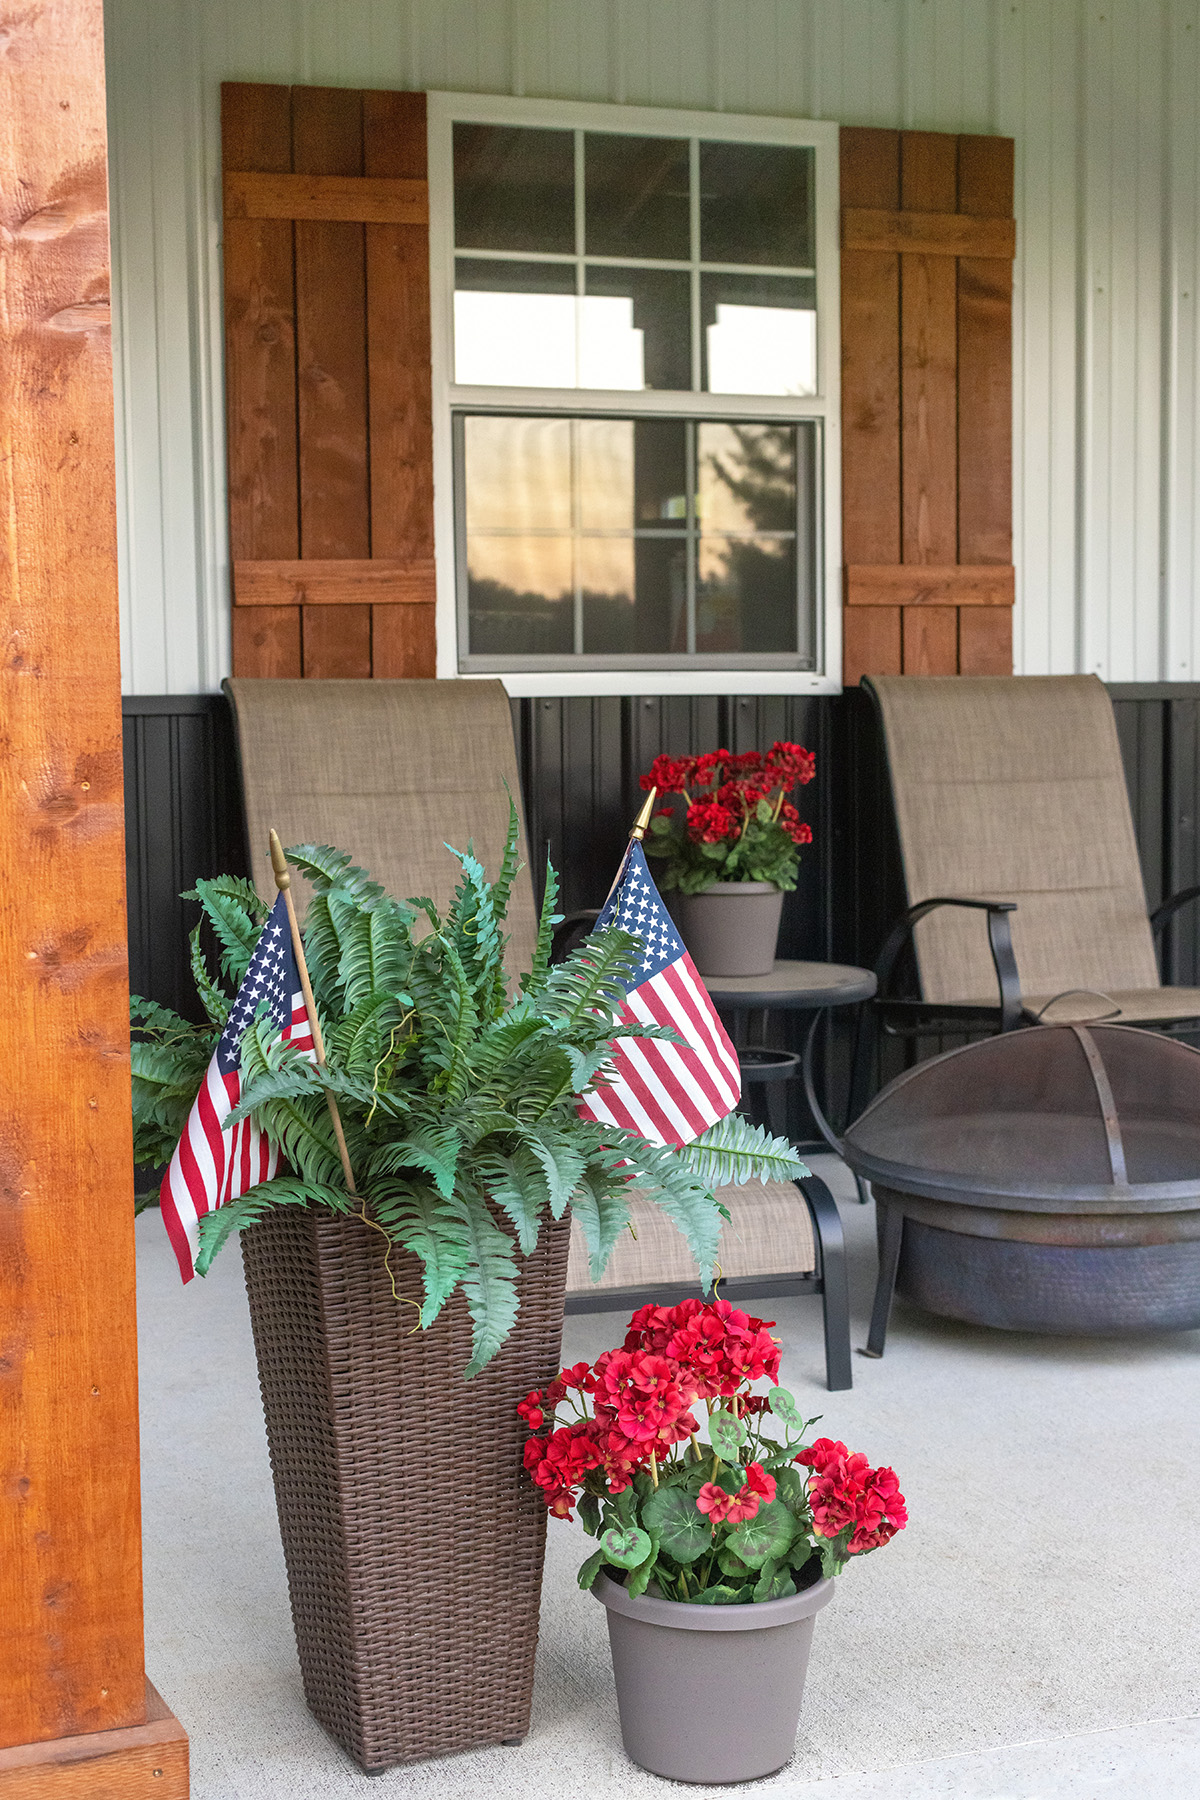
828,1280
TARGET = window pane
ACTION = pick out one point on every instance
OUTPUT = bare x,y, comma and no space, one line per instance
746,594
520,596
659,311
759,334
514,189
517,474
632,473
514,324
637,196
756,204
746,477
634,595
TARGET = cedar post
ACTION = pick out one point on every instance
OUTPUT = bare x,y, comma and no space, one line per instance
76,1714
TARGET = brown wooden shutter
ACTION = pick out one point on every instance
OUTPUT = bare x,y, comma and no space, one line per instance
327,381
927,244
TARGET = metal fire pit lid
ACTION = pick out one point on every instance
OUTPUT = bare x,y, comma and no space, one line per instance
1053,1118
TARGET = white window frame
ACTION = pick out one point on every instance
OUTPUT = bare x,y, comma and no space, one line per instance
444,110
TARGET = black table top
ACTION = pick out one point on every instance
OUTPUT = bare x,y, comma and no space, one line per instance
803,986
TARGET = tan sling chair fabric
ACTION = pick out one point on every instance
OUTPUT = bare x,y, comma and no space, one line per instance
389,771
770,1233
1012,788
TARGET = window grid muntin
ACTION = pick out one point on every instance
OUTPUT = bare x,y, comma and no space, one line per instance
694,267
808,450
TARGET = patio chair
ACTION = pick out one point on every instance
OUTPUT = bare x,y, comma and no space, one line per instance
392,771
1020,862
784,1237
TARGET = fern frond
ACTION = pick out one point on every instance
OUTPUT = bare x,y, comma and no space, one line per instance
434,1149
216,1004
329,870
489,1281
734,1151
215,1228
533,982
517,1184
236,928
510,863
419,1219
562,1163
471,924
463,1023
602,1208
594,978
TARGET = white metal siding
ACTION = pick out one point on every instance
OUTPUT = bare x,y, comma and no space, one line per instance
1102,97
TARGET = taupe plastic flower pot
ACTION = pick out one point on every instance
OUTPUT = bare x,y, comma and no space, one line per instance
710,1693
732,928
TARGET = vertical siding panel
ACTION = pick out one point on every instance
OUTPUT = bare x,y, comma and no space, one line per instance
1182,325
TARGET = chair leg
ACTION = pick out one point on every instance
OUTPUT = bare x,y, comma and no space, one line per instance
835,1296
864,1191
885,1287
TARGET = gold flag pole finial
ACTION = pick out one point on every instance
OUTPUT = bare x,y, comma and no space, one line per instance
643,818
283,881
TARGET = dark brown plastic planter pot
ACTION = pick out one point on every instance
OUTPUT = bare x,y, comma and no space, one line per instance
710,1693
413,1537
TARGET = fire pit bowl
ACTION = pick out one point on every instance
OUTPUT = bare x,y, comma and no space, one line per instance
1044,1180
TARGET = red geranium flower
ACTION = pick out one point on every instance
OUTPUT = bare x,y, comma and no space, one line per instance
709,823
669,774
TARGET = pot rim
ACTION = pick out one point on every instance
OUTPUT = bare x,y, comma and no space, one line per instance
735,887
678,1615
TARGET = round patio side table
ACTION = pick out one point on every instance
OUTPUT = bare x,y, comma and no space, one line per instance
814,987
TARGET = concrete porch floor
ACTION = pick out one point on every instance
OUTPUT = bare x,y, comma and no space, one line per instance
1033,1635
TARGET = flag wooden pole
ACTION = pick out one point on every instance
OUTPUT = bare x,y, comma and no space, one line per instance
283,881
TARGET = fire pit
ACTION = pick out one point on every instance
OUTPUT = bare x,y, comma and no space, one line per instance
1044,1180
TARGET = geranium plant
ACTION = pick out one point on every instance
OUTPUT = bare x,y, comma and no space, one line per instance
756,1512
736,822
459,1100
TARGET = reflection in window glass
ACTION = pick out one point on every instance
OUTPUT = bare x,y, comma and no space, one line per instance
514,188
746,594
660,302
756,205
634,595
521,325
760,334
518,474
746,477
521,595
579,538
637,196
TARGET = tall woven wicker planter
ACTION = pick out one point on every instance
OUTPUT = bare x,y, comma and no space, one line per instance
413,1540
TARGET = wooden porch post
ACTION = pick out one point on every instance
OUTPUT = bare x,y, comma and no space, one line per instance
76,1716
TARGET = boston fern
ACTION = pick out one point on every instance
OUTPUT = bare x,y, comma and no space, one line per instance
458,1103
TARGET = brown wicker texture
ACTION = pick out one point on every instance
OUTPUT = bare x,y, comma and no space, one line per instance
413,1538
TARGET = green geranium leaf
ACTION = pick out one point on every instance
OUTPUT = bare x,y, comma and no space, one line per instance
727,1434
589,1514
722,1595
590,1569
681,1528
783,1406
773,1583
767,1534
624,1546
731,1564
789,1486
639,1578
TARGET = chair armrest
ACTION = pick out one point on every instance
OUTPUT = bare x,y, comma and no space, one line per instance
999,940
1162,915
568,933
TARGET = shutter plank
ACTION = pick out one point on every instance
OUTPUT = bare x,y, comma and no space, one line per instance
332,378
266,641
870,642
931,640
260,378
929,361
928,233
985,640
345,197
398,361
985,175
929,584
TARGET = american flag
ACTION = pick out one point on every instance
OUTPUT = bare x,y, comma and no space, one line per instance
669,1093
213,1162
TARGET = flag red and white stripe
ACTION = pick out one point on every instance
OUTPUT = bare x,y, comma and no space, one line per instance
669,1093
214,1162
